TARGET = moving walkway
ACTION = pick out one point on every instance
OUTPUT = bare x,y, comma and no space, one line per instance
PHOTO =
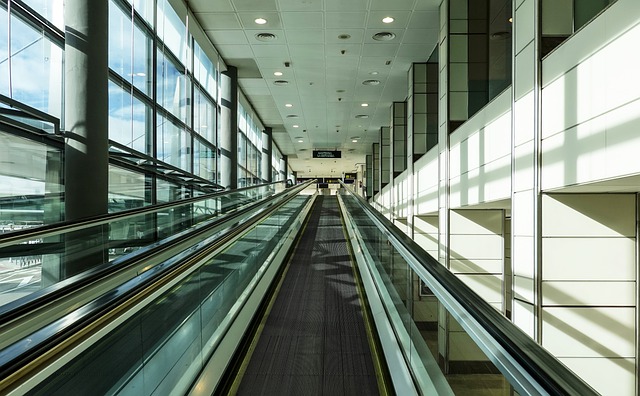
173,316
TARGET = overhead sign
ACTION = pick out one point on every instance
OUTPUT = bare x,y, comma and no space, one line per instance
327,154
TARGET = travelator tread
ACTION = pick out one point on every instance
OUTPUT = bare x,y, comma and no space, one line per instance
314,339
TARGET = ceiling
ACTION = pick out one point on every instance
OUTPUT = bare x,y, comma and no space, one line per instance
325,73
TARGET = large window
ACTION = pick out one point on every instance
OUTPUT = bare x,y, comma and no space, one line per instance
249,149
30,63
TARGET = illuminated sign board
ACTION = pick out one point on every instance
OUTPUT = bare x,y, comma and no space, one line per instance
327,154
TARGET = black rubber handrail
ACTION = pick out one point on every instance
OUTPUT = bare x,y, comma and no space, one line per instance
541,365
24,351
88,222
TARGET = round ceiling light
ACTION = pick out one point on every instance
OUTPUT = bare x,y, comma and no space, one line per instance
260,21
277,74
371,82
265,36
384,36
388,19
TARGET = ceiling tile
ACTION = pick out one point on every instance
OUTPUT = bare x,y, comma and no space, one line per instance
380,50
428,5
222,21
300,5
401,19
302,20
248,20
253,39
392,5
343,5
271,50
305,36
350,50
211,6
345,20
307,52
221,37
235,51
256,5
274,63
415,52
357,36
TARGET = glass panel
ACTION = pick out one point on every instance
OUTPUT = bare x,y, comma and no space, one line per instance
204,71
172,31
161,349
173,90
174,144
51,10
128,119
204,161
127,189
36,68
204,122
48,257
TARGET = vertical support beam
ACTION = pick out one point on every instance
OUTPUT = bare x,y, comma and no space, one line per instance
376,167
86,108
526,196
87,133
399,138
228,134
385,156
369,175
267,152
445,103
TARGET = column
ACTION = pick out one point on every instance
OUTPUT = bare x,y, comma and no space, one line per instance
376,167
228,133
525,198
86,108
267,150
87,130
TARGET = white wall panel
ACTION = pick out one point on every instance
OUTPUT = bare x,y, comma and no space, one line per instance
589,215
579,258
589,332
589,293
609,377
524,25
523,316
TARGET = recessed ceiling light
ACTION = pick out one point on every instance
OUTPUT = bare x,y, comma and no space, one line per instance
277,74
296,126
288,105
388,19
510,19
354,141
374,73
300,141
365,105
260,21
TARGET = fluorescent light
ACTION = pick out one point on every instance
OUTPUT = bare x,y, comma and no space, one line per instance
260,21
388,19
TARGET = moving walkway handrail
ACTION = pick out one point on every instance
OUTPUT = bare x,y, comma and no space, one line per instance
549,373
36,345
33,302
44,231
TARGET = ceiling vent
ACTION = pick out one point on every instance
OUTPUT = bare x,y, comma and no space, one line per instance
292,116
384,36
344,36
281,82
266,36
500,35
362,116
371,82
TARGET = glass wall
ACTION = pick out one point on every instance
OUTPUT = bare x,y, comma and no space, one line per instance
249,149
